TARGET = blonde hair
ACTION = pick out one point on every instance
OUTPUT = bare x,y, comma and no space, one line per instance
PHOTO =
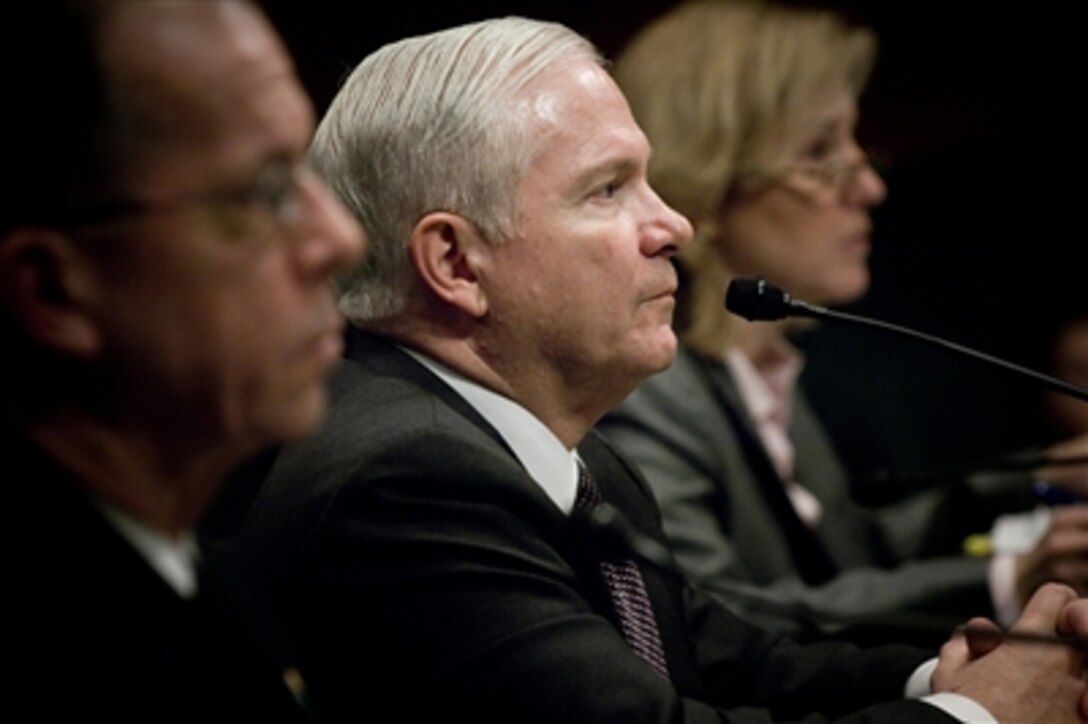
717,87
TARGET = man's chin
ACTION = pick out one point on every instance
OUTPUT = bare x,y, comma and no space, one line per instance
299,420
660,355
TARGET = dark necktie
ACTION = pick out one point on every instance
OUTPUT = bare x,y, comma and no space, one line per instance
627,588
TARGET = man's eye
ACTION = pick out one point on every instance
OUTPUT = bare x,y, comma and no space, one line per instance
268,204
608,190
274,188
274,191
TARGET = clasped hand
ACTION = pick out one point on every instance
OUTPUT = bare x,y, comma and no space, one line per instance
1021,679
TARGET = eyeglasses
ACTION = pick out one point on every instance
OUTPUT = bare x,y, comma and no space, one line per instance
812,177
272,199
834,173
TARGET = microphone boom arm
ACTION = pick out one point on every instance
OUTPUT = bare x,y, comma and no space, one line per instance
757,300
1053,382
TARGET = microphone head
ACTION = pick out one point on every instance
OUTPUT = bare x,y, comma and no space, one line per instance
757,301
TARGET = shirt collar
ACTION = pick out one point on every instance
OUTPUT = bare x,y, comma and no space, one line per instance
174,559
548,462
767,379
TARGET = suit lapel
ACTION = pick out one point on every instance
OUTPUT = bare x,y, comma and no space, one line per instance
382,357
811,558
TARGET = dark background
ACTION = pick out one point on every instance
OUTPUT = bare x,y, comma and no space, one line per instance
972,109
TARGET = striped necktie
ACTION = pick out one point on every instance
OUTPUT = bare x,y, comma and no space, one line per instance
626,587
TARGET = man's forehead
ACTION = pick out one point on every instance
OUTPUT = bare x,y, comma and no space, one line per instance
580,113
207,76
190,46
556,94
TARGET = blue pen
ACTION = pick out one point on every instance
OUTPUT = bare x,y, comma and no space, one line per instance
1049,494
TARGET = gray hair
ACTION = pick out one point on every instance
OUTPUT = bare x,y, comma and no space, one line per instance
431,123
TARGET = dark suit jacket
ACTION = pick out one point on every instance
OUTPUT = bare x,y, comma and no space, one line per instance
94,634
412,554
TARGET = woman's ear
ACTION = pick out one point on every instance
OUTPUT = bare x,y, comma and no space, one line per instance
46,289
445,249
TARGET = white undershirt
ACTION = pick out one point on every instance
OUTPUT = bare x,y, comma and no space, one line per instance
175,560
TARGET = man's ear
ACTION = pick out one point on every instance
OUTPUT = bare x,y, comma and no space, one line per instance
445,249
45,285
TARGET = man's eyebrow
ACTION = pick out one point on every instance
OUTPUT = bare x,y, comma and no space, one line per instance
618,166
269,160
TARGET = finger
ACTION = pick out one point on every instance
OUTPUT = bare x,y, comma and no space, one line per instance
1071,572
951,659
1069,516
1064,541
1070,447
1043,609
981,636
1073,619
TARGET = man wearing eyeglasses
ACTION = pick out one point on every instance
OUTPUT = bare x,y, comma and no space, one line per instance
164,264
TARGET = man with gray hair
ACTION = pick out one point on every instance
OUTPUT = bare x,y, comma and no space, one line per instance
426,544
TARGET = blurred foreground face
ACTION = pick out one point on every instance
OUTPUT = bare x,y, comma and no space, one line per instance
217,308
587,282
807,228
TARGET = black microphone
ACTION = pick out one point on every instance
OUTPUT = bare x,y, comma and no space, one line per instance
884,487
758,301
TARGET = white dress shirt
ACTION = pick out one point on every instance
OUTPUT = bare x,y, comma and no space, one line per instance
175,560
549,463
